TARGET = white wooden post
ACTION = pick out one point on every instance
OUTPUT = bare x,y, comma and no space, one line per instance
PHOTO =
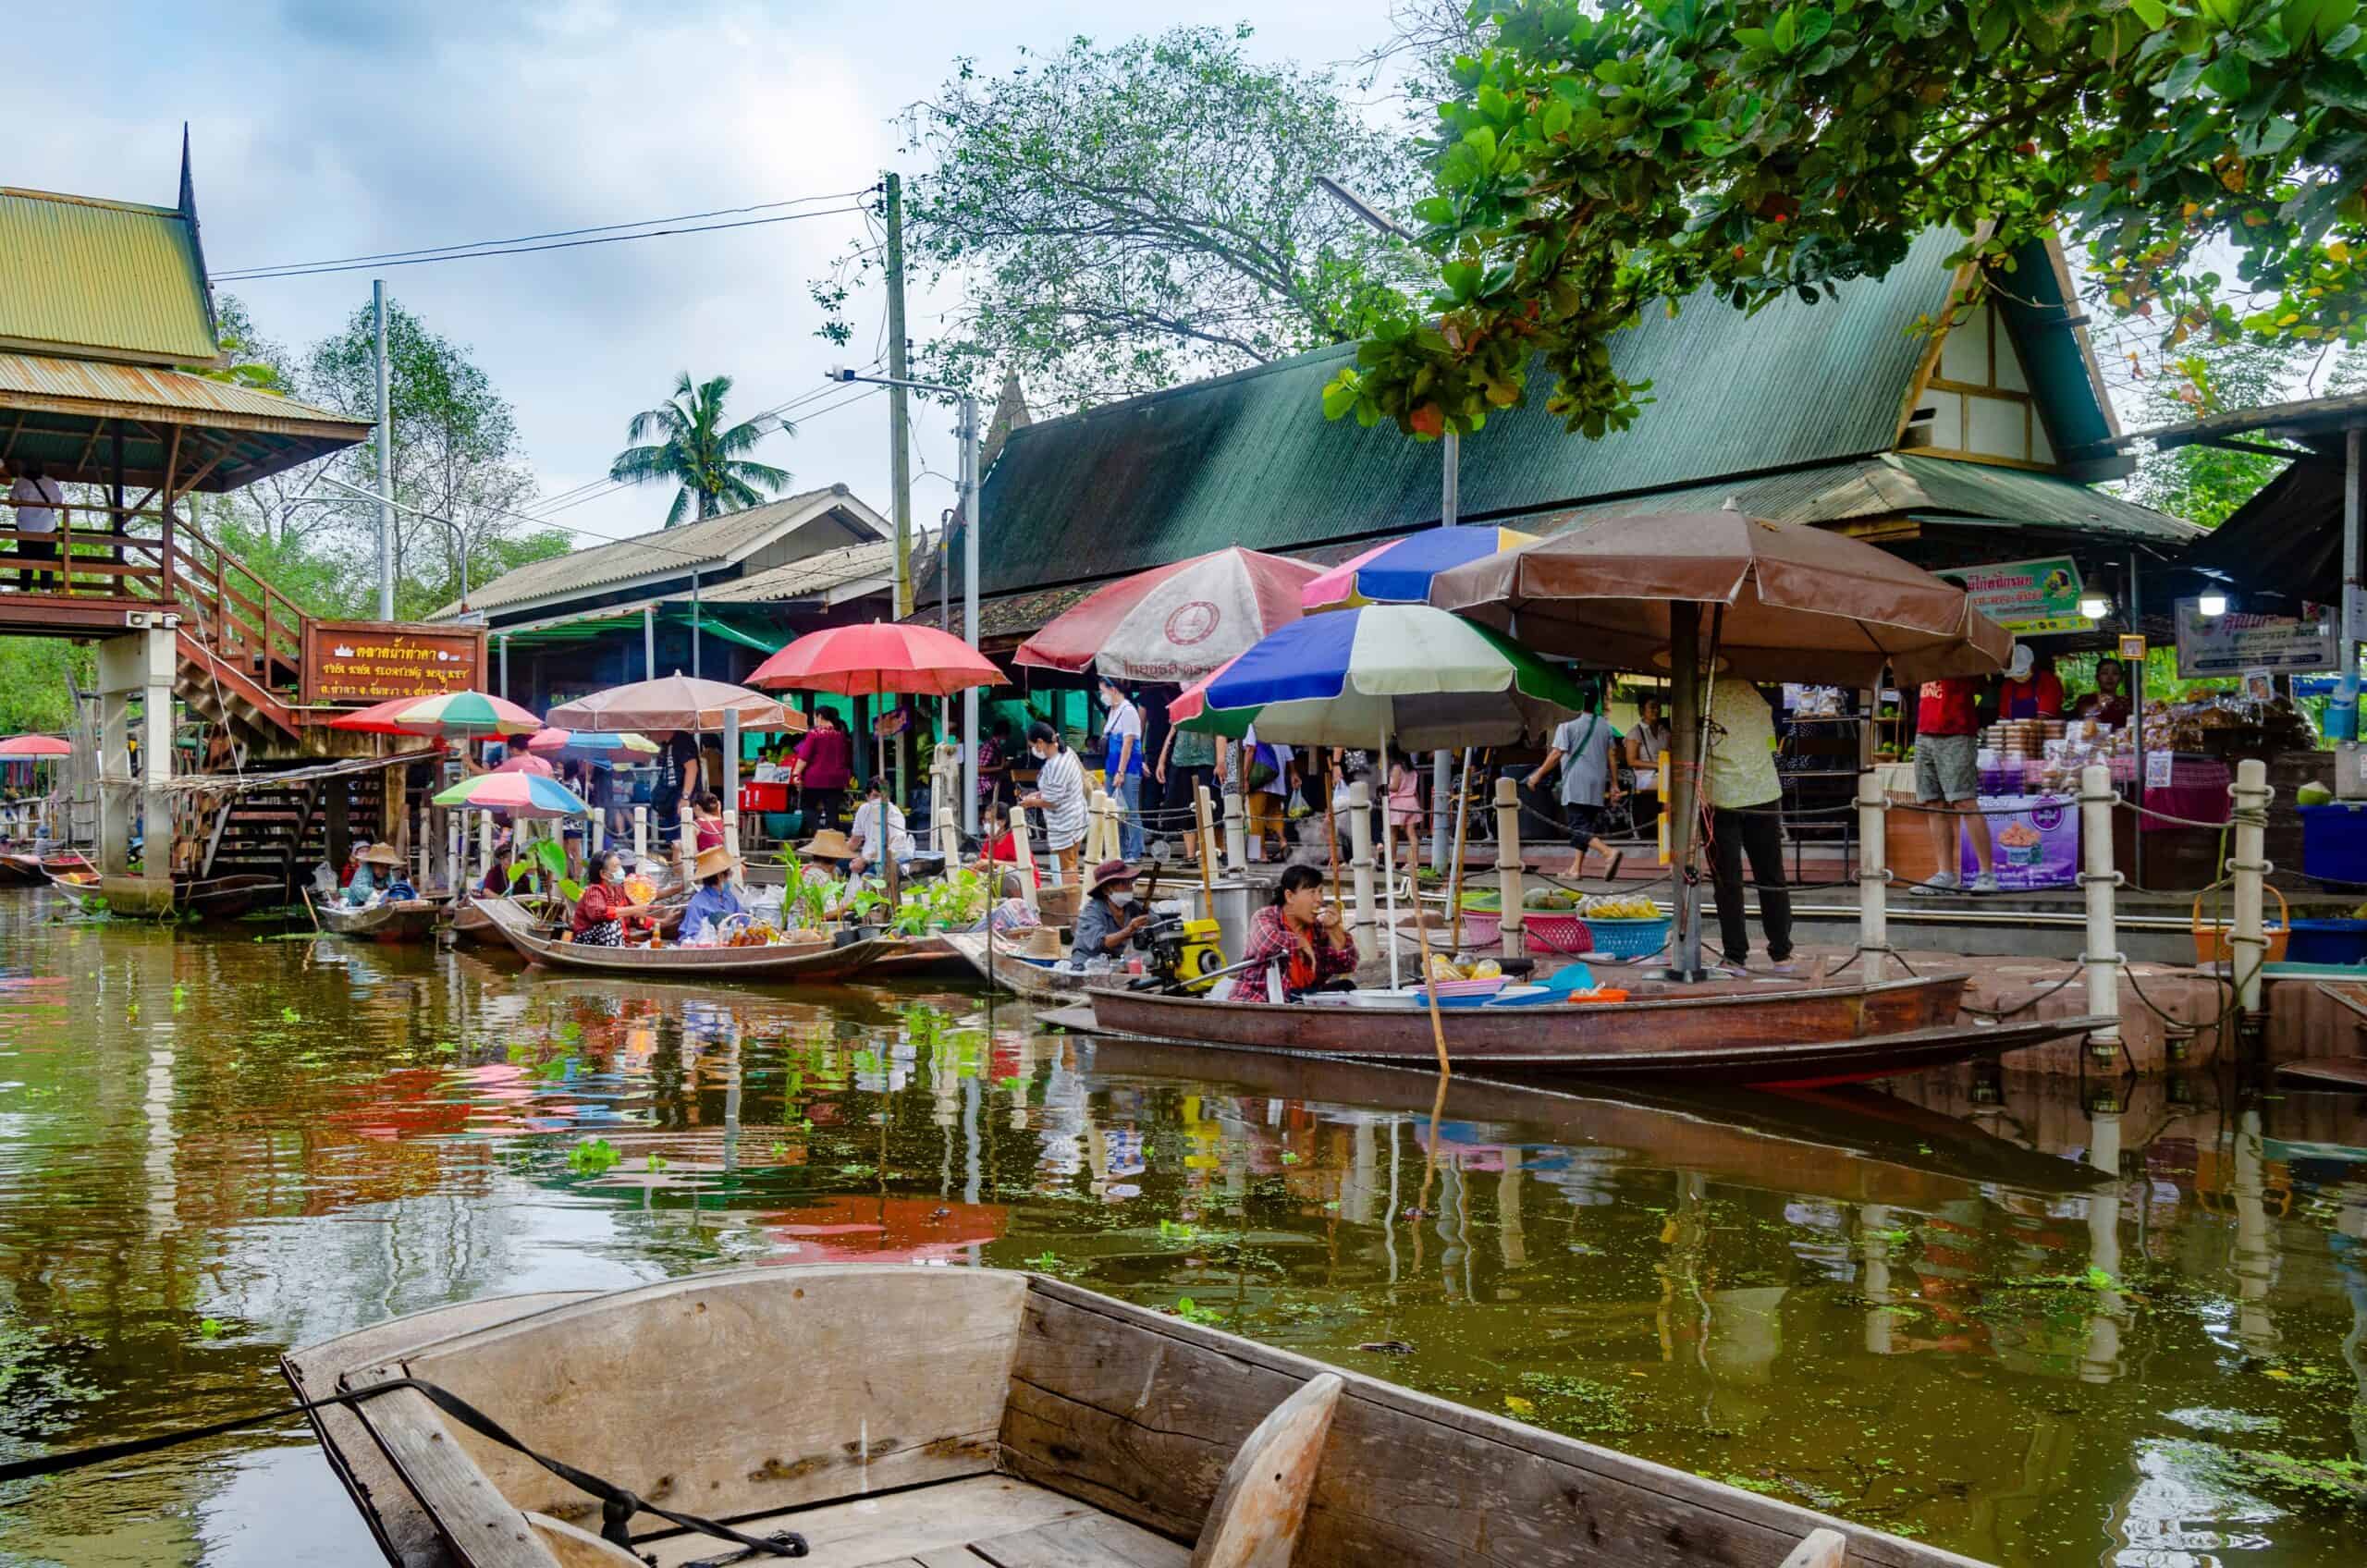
1203,806
1874,877
730,790
1510,890
640,830
456,849
1096,828
425,840
1367,919
484,843
2249,943
949,832
1024,856
1236,832
599,832
2096,875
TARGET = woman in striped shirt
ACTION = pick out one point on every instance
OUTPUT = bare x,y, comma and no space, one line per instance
1059,794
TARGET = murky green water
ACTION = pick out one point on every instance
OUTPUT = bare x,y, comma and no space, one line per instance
212,1148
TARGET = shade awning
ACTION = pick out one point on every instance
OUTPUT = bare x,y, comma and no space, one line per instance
64,413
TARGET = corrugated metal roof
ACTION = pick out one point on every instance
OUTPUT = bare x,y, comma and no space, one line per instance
110,278
1249,458
695,546
58,412
813,574
136,391
1899,483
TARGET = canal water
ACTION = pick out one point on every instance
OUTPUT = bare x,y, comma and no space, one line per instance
2034,1321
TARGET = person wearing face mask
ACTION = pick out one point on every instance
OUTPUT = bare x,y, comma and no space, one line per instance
1106,922
1122,765
601,912
1058,794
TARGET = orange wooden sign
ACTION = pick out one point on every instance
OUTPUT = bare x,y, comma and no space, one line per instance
372,661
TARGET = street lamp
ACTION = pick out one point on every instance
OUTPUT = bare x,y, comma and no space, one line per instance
2212,602
968,487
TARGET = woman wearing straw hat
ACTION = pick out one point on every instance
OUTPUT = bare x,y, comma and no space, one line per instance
1104,929
377,868
825,855
714,901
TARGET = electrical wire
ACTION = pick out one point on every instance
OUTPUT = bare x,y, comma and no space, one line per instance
524,250
550,234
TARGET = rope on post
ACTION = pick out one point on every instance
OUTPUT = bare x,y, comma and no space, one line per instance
1873,877
2250,867
1510,894
2102,959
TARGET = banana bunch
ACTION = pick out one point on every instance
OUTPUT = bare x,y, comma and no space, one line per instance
1619,906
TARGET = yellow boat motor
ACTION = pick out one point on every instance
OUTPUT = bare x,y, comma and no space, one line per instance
1183,951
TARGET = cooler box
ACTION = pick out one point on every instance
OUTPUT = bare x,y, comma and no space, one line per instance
763,797
2333,843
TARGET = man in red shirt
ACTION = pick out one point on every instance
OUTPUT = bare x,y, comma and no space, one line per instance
2031,689
1947,781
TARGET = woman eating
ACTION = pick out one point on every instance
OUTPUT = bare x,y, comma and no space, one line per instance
601,912
1299,933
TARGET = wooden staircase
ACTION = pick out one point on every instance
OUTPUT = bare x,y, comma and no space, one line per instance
284,832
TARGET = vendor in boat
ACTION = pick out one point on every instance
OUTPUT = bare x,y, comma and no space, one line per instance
1105,928
601,912
823,857
1011,912
714,901
1301,934
376,869
497,883
879,832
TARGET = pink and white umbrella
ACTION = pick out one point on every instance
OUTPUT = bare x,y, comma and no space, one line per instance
1174,623
526,762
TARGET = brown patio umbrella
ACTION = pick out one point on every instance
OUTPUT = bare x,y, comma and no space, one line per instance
1777,603
672,703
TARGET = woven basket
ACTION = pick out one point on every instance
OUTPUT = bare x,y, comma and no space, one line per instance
1629,938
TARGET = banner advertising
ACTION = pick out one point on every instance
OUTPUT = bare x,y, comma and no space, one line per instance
2033,841
2234,643
2028,598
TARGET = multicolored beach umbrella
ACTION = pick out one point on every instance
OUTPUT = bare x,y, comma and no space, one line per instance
1174,622
527,762
464,714
1402,674
1400,571
520,794
591,744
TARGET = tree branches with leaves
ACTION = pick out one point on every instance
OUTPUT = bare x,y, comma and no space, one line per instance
1120,219
706,459
1591,166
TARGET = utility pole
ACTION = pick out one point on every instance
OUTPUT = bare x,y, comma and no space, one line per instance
385,463
969,608
900,438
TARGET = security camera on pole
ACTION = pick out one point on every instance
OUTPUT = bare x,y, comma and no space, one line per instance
967,429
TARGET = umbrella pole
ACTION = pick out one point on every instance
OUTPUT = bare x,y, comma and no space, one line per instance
1461,838
1389,870
1430,985
1683,795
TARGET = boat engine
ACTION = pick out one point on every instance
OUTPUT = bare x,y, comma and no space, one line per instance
1183,950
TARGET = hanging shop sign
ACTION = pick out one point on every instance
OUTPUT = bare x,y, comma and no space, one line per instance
370,661
2233,644
2028,598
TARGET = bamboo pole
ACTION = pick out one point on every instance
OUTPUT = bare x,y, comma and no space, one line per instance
1462,837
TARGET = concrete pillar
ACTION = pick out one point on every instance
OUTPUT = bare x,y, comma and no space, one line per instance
1510,878
2096,875
1236,828
137,664
640,830
1874,877
2250,867
1365,922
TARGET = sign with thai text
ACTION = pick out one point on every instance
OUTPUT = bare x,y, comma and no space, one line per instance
2033,843
2028,598
370,661
2231,643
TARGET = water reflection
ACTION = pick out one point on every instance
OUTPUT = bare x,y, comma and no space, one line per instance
1968,1307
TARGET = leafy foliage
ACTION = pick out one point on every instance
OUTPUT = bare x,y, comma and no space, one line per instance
37,675
1124,218
1594,165
697,452
2205,484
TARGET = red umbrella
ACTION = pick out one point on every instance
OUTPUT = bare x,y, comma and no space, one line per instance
863,661
35,746
1176,622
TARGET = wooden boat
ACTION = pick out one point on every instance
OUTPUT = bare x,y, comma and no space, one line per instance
893,1416
918,958
999,964
30,868
1799,1036
219,897
802,960
390,920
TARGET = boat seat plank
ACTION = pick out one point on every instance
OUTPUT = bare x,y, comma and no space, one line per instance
923,1522
1822,1548
1095,1541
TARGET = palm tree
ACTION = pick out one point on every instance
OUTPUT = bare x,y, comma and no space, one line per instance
697,453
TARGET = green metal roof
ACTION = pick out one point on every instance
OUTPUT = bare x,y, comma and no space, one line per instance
592,627
1249,458
101,279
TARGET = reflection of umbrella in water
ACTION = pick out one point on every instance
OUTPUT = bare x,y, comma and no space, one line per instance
848,1228
1784,604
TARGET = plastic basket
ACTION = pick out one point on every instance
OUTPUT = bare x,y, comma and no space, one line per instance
1629,938
1481,928
1564,934
2211,938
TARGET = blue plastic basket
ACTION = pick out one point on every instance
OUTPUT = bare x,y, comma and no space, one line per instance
1628,939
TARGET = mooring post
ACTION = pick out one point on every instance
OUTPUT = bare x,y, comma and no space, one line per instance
1510,888
484,843
2249,942
1874,877
2102,959
1204,810
1367,918
640,830
1237,831
1024,856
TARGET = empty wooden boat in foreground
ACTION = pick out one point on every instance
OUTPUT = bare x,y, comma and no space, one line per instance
390,920
1793,1034
996,961
894,1415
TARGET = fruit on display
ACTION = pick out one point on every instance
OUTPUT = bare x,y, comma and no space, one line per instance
2313,794
1548,900
1620,906
1445,968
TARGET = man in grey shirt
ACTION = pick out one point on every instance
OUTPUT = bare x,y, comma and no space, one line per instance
1583,748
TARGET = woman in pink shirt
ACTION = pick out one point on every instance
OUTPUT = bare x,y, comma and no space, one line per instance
821,768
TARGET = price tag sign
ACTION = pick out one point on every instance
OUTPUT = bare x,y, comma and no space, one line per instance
2157,770
2132,647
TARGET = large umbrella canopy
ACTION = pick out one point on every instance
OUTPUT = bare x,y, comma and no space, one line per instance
1406,673
527,762
1176,622
1797,604
865,661
458,714
35,746
672,703
1400,571
587,743
520,794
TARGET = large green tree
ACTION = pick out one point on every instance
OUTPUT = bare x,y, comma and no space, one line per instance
2208,154
2205,484
697,452
1118,219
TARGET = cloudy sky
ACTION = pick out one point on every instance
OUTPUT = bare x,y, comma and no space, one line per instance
329,128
